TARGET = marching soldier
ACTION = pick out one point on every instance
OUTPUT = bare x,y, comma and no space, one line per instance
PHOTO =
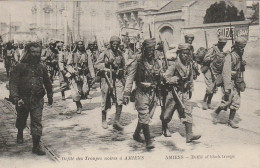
233,81
28,83
145,70
179,77
50,58
111,66
93,51
212,68
63,58
9,59
189,38
80,71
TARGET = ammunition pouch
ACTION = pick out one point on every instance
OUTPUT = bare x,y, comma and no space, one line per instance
240,84
204,69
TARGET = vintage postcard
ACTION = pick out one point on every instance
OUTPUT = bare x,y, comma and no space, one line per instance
127,83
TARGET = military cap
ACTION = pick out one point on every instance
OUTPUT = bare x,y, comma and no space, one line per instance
222,39
149,42
184,46
115,38
241,41
189,36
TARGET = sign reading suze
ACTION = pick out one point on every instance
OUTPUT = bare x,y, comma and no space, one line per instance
232,31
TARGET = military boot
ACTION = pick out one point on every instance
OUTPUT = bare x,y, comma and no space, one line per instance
165,130
116,124
215,115
231,123
36,145
205,98
104,119
189,134
20,136
137,137
209,101
79,107
63,95
148,140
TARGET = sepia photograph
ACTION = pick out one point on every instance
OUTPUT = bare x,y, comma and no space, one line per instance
129,83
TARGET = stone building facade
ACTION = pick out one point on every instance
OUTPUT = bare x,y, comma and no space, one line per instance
166,18
74,19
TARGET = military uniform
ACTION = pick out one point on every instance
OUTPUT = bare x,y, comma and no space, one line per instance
212,69
28,83
80,71
145,72
233,80
112,61
179,75
64,82
51,58
9,59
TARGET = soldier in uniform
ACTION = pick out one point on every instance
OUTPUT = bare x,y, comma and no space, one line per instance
50,58
212,69
9,59
179,77
28,83
80,71
189,38
63,58
145,70
110,65
92,51
233,81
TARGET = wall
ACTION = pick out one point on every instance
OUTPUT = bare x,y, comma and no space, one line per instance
251,54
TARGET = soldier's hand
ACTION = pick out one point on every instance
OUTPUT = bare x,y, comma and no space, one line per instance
50,101
126,100
243,63
67,75
19,102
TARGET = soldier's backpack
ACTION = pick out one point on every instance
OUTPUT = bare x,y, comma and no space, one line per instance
218,61
200,54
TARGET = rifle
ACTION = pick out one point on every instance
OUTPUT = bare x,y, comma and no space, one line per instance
164,56
150,33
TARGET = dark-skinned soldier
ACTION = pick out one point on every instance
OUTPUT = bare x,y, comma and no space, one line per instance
9,59
28,85
179,76
212,69
63,59
110,65
50,58
144,70
233,81
80,69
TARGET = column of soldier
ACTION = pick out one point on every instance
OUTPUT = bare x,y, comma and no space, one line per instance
120,66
